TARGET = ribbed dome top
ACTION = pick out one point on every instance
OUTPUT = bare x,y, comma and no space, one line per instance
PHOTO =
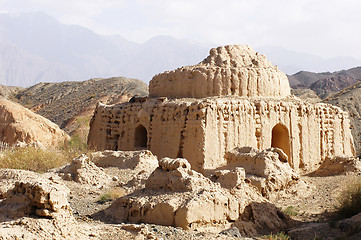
228,70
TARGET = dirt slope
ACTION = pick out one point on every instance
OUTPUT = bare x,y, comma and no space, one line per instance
20,124
60,102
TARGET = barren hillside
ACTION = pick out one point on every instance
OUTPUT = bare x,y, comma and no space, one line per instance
324,84
60,102
349,100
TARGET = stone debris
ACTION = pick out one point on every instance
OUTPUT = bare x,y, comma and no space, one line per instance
18,123
142,160
268,169
349,228
175,195
31,193
35,144
140,164
338,165
175,175
83,170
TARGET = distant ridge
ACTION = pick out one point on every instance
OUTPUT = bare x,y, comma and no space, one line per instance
324,84
34,48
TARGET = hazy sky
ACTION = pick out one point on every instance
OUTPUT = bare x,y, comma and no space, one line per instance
326,28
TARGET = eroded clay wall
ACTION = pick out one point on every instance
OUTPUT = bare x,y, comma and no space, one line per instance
314,131
204,130
173,129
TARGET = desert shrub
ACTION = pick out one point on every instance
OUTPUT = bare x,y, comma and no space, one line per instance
278,236
75,145
350,201
33,159
113,194
290,211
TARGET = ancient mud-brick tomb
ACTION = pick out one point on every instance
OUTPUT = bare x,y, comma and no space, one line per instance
233,98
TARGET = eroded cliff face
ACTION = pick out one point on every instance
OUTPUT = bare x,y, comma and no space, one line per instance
204,130
229,70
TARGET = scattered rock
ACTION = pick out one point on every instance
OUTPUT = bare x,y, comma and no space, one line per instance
35,144
83,170
232,232
268,169
175,195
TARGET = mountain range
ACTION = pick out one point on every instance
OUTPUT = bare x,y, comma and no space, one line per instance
34,47
324,84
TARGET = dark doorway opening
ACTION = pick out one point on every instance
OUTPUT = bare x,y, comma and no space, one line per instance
140,137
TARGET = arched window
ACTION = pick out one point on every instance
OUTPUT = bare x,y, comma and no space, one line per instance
140,137
281,139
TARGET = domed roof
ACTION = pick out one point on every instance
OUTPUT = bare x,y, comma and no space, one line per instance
228,70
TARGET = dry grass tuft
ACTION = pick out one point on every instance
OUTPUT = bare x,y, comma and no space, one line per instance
113,194
33,159
40,160
277,236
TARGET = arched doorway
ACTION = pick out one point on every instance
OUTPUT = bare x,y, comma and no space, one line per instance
281,139
140,137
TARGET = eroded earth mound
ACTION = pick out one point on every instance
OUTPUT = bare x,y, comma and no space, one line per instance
20,124
175,195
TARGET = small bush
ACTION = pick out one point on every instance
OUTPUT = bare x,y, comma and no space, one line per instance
75,145
115,193
290,211
278,236
350,201
33,159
